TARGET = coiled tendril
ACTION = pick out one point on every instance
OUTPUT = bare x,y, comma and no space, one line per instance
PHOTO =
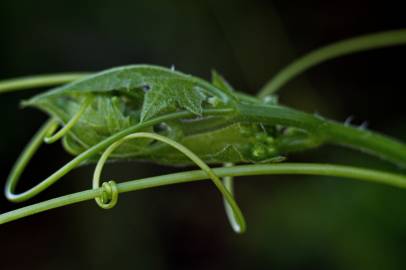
110,193
109,196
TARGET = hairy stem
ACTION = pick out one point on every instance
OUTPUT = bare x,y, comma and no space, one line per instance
344,47
196,175
328,131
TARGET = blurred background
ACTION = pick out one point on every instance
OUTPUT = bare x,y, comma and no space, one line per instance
294,222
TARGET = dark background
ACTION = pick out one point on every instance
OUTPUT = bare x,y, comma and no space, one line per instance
298,222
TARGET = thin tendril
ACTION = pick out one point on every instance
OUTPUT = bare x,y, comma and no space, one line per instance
24,83
228,182
51,138
240,225
37,140
368,175
24,159
344,47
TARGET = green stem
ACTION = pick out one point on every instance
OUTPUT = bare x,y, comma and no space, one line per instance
366,141
332,132
243,170
344,47
30,82
328,131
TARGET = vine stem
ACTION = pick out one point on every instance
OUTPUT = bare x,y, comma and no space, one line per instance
331,131
368,175
344,47
328,131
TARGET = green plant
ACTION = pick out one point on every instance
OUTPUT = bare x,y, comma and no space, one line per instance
209,123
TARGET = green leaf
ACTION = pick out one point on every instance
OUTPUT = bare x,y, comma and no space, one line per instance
149,89
123,97
169,96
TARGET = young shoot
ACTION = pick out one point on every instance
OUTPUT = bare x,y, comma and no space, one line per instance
145,112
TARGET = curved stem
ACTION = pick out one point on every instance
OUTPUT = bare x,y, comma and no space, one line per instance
29,151
344,47
196,175
30,82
